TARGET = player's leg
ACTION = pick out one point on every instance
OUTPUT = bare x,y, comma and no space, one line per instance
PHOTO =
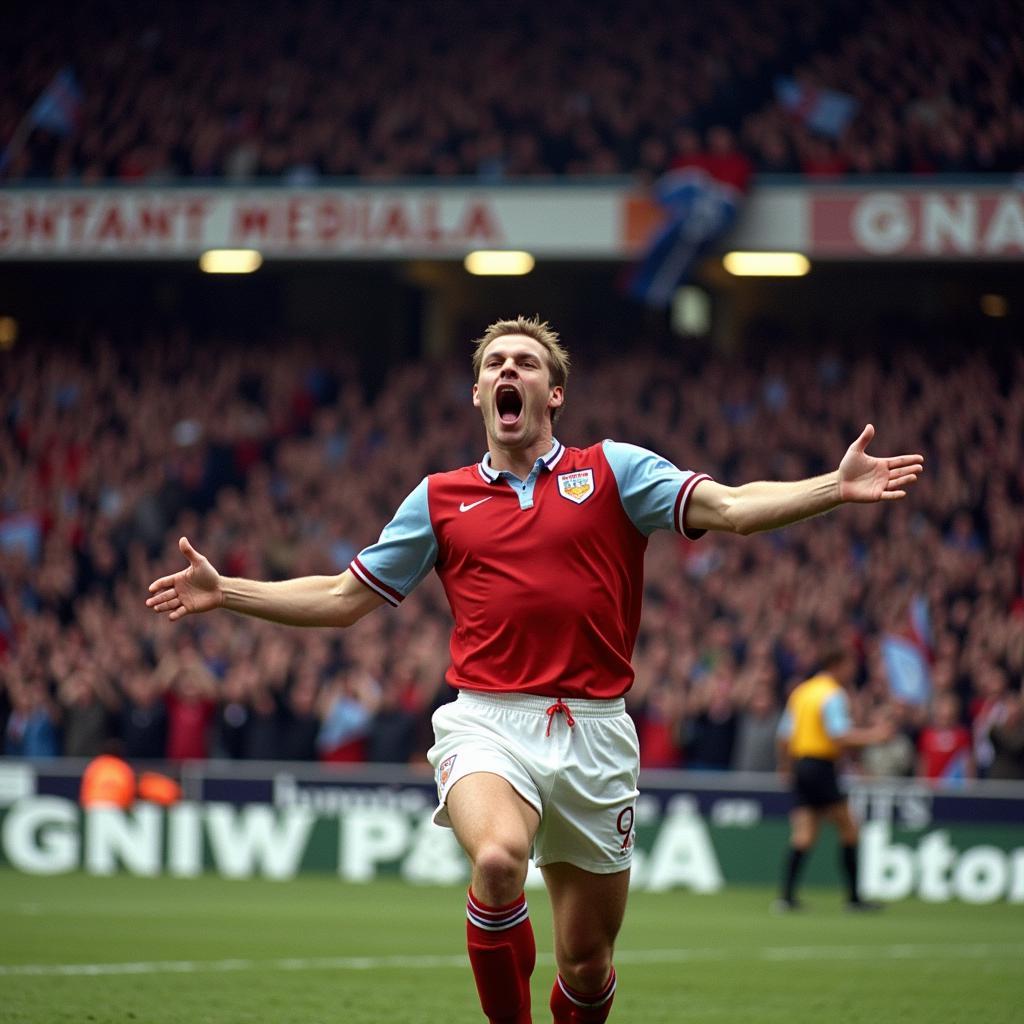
588,909
496,826
804,825
584,849
846,825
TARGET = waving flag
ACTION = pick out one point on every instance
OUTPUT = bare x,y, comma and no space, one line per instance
699,209
56,111
58,105
907,669
822,110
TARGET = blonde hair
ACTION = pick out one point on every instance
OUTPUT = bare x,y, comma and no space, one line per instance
537,329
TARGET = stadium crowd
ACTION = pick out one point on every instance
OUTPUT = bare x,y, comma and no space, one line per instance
495,90
276,461
936,89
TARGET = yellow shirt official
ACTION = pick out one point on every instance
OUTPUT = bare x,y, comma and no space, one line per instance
805,707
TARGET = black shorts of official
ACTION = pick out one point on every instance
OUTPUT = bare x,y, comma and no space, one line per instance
815,783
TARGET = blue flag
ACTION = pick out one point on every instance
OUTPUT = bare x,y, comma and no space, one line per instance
58,105
700,210
905,665
823,110
56,110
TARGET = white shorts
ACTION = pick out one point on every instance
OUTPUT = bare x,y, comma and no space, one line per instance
581,778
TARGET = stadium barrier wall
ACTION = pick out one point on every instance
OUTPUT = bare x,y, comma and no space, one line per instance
696,831
902,217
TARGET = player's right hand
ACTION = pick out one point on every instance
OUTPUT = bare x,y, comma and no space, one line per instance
190,591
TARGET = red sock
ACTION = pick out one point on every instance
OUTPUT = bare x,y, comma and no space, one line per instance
503,954
571,1007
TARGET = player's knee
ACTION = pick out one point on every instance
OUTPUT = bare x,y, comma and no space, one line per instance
588,970
499,871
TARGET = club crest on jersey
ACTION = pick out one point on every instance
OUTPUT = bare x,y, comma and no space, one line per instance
578,486
444,771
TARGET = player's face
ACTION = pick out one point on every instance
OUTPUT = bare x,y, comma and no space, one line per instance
514,391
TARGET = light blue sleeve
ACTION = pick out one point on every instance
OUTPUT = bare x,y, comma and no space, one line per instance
654,493
405,552
784,731
835,713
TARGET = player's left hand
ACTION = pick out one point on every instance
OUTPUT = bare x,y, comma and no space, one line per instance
863,477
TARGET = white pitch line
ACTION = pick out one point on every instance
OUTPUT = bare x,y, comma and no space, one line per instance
901,951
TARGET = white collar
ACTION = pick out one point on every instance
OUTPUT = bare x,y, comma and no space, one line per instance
547,461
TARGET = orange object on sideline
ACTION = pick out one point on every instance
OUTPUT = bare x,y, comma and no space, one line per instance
108,782
158,789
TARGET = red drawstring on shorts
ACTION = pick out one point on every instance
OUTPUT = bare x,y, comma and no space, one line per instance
555,708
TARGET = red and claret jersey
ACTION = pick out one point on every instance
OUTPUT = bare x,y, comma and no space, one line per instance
544,576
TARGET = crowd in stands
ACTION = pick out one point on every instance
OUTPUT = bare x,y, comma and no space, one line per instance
936,89
494,90
276,461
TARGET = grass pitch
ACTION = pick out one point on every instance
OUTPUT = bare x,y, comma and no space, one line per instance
80,950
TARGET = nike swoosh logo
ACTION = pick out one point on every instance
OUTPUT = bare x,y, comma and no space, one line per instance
465,508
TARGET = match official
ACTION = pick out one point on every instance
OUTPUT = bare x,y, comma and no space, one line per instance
814,732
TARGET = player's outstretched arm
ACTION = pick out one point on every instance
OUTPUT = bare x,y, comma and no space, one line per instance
306,601
766,505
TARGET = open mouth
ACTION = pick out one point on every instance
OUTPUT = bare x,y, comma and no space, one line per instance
509,404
